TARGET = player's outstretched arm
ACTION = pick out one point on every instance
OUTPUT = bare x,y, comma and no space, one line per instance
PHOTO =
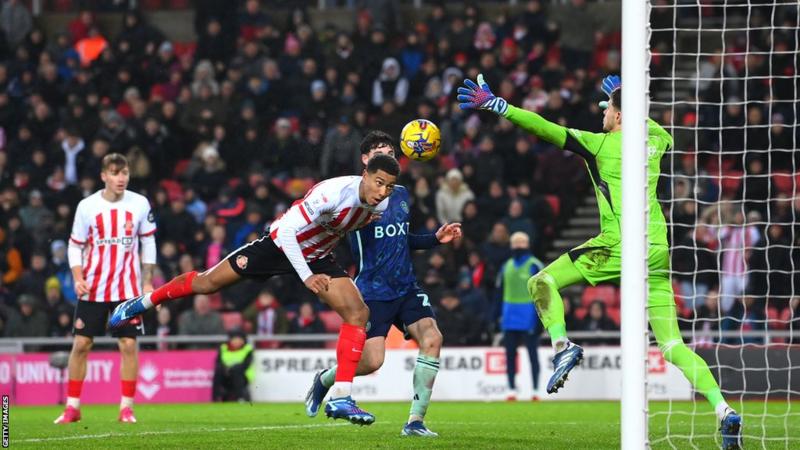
479,96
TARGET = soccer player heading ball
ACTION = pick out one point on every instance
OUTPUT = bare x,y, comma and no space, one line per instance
301,242
599,259
387,281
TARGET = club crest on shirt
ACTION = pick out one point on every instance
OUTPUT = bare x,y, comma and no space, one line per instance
128,226
404,206
241,262
151,217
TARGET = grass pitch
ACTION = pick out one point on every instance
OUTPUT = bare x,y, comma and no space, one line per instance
542,425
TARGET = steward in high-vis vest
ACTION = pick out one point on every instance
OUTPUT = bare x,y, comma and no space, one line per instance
519,321
234,369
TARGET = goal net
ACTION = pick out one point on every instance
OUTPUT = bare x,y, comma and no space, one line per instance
724,82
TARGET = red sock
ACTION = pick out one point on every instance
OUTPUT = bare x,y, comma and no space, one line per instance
74,388
348,351
178,287
128,388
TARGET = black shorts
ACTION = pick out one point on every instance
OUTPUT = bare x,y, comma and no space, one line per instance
400,312
91,319
262,259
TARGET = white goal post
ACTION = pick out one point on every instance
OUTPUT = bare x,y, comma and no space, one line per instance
634,225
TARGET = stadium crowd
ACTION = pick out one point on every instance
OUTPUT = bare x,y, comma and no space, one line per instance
225,132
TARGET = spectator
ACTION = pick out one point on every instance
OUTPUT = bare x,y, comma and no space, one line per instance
306,322
520,323
27,321
707,320
10,260
33,280
597,319
165,326
340,155
737,241
746,316
458,327
36,217
390,84
570,320
62,322
266,316
516,220
201,319
210,175
90,47
176,224
451,197
15,21
233,370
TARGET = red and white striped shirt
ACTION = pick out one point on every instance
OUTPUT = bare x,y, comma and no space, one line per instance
736,241
109,233
317,222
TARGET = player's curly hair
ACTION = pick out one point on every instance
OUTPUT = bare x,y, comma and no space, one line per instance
385,163
375,139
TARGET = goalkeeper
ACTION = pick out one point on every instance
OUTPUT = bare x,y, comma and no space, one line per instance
599,259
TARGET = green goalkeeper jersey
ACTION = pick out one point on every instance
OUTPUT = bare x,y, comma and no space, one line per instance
603,155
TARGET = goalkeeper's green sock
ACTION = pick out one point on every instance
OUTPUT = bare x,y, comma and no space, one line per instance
543,288
328,377
550,307
664,321
424,375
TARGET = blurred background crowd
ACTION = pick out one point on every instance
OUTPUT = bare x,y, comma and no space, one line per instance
223,132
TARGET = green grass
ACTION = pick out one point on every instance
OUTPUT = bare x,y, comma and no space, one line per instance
543,425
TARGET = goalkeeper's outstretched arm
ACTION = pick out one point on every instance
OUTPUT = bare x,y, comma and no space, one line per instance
479,96
537,125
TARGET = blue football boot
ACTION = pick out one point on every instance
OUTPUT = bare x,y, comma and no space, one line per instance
346,408
563,363
316,394
731,429
126,311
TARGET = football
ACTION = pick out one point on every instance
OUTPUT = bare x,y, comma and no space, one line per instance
420,139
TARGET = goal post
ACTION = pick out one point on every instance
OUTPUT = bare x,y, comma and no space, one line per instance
634,225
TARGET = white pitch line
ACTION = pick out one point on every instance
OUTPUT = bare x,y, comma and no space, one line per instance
193,430
263,428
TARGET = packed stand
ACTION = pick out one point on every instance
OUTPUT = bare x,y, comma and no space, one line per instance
734,176
224,133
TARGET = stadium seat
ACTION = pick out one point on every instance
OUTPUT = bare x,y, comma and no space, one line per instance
151,4
396,340
180,4
730,182
180,168
215,300
773,318
785,317
231,320
606,293
184,48
580,313
784,182
173,188
331,320
614,314
555,204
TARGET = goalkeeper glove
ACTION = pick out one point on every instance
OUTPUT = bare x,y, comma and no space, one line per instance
610,84
479,96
